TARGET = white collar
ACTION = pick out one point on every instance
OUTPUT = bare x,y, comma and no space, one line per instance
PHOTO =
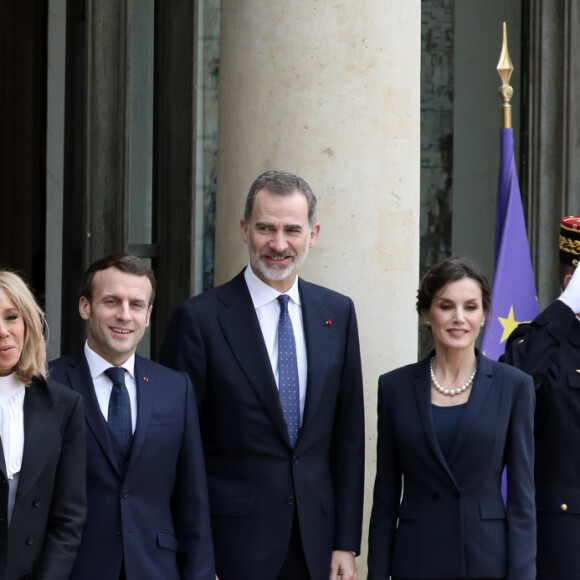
9,384
263,293
98,365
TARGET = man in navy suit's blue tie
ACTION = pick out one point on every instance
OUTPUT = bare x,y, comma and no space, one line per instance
148,515
275,365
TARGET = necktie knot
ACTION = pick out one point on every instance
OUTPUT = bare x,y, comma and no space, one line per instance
117,375
283,301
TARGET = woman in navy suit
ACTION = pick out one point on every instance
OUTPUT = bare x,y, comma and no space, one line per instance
447,427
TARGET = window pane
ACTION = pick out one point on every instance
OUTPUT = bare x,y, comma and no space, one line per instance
141,122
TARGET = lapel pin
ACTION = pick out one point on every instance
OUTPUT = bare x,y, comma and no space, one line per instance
146,379
329,322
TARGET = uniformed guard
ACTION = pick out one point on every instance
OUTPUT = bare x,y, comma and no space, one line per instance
549,349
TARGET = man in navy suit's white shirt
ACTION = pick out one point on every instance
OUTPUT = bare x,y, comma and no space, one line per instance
148,515
286,488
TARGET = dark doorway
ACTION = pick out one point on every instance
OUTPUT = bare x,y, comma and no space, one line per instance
23,53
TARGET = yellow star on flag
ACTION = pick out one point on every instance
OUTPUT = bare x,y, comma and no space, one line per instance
509,324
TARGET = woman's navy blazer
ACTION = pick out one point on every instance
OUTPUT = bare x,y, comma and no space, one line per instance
450,521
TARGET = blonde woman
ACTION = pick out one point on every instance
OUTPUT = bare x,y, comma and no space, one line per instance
42,463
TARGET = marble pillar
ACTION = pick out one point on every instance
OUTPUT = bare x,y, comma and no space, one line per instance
330,90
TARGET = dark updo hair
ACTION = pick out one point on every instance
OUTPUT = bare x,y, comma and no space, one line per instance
448,271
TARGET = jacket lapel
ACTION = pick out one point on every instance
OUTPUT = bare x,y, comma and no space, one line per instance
79,377
2,461
242,331
42,420
479,392
422,388
145,383
317,334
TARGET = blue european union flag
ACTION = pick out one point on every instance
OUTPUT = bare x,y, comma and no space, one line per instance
514,296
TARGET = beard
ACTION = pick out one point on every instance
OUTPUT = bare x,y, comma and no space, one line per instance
276,272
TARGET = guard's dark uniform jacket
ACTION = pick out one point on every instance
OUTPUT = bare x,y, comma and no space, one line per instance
549,349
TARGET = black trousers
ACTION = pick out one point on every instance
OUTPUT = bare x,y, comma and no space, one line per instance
294,567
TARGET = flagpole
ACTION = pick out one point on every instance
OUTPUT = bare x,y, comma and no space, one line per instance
505,68
514,289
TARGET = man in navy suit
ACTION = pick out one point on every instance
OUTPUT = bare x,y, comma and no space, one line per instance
286,488
148,513
549,349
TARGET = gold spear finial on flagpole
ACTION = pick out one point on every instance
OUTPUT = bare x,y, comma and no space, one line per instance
505,68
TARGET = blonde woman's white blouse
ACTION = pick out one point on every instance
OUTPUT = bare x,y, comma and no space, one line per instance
12,422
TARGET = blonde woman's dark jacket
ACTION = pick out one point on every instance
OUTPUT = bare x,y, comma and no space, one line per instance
50,507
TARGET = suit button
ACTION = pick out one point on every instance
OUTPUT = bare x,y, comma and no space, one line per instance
456,495
563,507
124,493
29,540
295,460
36,502
435,496
290,501
118,531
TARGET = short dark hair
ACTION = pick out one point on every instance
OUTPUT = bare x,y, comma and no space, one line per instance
564,270
451,270
280,183
126,263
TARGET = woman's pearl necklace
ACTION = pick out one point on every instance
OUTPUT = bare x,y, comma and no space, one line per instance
450,391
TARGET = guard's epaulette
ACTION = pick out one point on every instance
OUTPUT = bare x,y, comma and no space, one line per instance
519,332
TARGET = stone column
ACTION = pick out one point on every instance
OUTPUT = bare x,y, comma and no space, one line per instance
330,91
551,175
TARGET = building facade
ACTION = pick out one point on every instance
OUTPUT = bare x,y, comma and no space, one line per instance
139,127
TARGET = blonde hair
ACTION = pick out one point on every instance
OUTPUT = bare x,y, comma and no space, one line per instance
33,356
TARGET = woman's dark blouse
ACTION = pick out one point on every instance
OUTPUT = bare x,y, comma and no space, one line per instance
445,422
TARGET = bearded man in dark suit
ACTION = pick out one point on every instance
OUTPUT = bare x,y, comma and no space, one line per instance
280,403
